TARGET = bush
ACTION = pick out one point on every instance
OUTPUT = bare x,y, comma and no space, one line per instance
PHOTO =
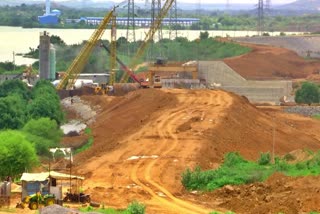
264,159
233,159
308,93
16,154
136,208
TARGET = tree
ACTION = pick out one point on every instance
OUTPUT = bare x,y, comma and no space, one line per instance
15,86
204,35
308,93
16,154
43,133
46,102
12,112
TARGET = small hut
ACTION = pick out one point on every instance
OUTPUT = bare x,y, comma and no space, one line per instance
48,183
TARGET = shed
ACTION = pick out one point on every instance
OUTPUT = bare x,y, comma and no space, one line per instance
45,182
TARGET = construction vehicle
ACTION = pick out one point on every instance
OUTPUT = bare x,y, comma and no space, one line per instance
35,200
149,37
74,197
72,73
143,83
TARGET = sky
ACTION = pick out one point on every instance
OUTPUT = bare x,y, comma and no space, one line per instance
210,1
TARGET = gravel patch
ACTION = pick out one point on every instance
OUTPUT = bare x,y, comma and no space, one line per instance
57,209
308,111
81,107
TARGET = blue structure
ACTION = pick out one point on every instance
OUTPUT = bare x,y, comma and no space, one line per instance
50,17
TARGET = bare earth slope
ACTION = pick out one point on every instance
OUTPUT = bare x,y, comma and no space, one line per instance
146,139
267,62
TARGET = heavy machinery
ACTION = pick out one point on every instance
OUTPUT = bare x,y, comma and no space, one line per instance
74,197
72,73
125,68
149,36
35,200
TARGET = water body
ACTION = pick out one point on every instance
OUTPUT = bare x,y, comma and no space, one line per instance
20,40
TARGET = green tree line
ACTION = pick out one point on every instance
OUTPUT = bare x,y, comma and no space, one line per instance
29,125
27,16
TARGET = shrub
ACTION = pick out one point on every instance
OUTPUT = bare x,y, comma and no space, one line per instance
308,93
136,208
264,158
233,159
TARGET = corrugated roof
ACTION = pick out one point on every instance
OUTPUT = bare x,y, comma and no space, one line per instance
45,175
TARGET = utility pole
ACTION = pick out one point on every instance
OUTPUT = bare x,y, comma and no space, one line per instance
14,61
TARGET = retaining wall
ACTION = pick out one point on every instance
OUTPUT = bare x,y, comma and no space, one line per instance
219,75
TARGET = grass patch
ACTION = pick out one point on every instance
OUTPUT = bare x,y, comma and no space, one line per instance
316,116
88,145
133,208
235,170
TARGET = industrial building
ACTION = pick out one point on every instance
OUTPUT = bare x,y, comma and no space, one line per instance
141,22
50,17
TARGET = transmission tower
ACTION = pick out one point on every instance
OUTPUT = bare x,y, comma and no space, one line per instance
228,5
173,32
268,7
131,36
260,26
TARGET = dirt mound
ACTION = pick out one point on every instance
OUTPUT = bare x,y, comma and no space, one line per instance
278,194
121,116
267,62
146,139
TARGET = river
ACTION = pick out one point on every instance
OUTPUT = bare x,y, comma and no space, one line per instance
19,40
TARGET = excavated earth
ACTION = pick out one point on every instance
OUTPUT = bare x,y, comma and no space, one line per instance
267,62
144,140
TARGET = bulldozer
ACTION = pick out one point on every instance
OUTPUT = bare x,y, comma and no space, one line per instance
35,200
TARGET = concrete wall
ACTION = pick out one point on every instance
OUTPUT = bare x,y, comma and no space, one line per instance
218,74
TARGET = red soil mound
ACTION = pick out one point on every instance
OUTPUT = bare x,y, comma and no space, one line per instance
266,62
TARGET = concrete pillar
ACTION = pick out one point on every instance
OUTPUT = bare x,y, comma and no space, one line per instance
44,55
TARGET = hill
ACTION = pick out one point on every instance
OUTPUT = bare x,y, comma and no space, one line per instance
144,141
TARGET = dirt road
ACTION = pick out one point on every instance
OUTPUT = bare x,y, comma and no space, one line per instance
149,164
144,141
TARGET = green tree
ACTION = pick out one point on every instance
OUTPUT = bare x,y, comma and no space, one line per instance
15,86
204,35
46,102
12,112
16,154
43,133
308,93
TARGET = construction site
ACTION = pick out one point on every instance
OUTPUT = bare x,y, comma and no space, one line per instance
149,127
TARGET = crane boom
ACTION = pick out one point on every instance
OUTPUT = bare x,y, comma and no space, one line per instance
80,61
149,36
122,65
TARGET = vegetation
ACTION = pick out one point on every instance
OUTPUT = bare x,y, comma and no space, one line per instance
236,170
179,49
29,124
133,208
89,143
16,154
316,116
308,93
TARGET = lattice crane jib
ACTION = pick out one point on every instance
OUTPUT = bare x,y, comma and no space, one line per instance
113,54
149,36
80,61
